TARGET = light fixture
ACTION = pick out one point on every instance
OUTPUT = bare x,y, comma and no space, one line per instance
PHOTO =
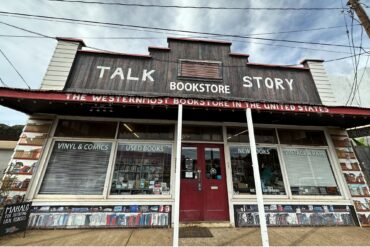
127,127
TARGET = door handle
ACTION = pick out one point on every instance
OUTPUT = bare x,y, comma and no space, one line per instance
199,180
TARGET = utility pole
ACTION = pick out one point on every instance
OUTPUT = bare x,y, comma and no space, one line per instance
364,19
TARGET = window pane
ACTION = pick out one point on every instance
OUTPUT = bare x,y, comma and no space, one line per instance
201,133
309,172
270,172
142,169
188,162
302,137
240,134
213,165
70,128
146,131
77,168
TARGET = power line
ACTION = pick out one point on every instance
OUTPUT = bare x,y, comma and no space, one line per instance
161,38
195,7
7,59
2,82
172,30
94,48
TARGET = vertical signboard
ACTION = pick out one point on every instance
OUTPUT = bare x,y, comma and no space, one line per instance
15,218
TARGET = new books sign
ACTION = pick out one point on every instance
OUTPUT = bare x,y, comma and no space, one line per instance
15,218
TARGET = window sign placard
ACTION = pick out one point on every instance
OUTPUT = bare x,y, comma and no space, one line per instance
15,218
77,168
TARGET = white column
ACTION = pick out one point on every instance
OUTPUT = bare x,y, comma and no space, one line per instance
257,179
176,209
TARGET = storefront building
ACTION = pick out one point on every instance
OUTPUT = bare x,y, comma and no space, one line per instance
99,149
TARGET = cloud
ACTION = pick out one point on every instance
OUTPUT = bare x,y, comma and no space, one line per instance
31,56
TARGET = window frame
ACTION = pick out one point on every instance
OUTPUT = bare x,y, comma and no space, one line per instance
141,196
283,174
326,149
67,196
333,160
105,196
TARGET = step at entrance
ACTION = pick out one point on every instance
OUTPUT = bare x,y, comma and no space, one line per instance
209,224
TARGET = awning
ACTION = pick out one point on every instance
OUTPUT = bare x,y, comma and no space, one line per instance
82,104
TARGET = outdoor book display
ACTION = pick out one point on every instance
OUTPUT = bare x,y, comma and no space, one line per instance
353,174
290,215
24,162
100,216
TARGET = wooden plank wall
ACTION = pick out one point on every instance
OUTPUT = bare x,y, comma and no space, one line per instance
85,75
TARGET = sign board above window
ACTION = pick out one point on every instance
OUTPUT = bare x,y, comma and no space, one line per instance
191,70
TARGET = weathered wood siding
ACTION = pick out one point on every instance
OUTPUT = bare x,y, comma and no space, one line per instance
322,82
85,75
60,65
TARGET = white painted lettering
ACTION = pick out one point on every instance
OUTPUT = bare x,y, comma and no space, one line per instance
129,77
147,74
102,69
118,72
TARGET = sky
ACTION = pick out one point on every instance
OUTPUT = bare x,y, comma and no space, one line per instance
32,55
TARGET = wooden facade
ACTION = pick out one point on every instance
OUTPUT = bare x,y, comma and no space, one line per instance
158,75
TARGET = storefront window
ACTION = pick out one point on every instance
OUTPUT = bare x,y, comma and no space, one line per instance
201,133
240,134
77,168
146,131
302,137
309,172
86,129
270,172
142,169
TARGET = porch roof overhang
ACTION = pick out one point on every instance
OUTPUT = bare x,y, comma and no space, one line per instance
103,105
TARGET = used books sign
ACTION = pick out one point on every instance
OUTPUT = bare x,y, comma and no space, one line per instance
15,218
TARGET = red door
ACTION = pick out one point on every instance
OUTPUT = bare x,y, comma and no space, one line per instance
203,195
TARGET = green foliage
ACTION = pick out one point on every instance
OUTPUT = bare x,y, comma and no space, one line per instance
10,133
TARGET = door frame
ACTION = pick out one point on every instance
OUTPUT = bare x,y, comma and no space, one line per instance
224,172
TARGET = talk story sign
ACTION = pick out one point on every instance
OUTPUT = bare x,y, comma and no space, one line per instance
15,218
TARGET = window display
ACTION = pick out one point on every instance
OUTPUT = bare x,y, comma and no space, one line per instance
77,168
142,169
270,172
309,172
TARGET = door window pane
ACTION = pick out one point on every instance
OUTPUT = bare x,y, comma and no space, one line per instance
142,169
201,133
77,168
240,134
189,163
302,137
146,131
213,163
309,172
83,129
270,172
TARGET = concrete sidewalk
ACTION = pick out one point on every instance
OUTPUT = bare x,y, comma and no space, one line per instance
292,236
